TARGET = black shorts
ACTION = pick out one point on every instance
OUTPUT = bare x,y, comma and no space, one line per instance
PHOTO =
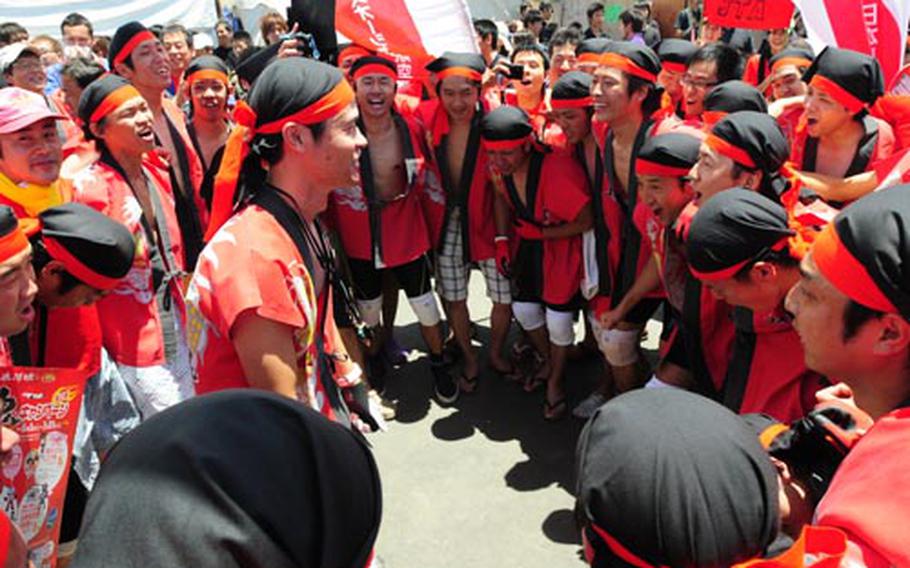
73,508
642,311
413,278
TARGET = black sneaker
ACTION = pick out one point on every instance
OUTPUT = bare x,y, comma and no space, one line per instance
376,373
445,387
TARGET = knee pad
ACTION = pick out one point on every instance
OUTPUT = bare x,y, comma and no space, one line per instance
530,316
561,327
426,309
620,347
656,383
370,311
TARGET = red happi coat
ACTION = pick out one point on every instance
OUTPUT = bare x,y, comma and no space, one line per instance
131,325
472,191
869,497
396,230
876,144
556,193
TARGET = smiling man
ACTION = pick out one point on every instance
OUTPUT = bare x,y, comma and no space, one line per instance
207,81
260,301
21,67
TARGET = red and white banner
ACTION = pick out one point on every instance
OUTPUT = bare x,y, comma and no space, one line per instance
875,27
413,31
749,14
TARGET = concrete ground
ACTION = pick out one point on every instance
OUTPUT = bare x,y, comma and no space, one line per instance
486,482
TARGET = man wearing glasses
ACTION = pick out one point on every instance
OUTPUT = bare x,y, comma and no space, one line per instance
711,65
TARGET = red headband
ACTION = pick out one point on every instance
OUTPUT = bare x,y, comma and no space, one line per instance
13,243
797,61
207,74
113,101
584,102
731,271
505,144
375,69
588,57
466,72
132,44
727,149
238,144
836,263
648,168
838,93
673,66
75,266
712,117
626,65
353,50
620,551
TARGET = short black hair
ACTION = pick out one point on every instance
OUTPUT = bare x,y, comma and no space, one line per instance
8,30
545,6
593,8
76,19
727,59
157,30
532,17
486,28
225,23
564,36
533,48
856,316
633,18
175,28
82,70
652,100
243,35
782,258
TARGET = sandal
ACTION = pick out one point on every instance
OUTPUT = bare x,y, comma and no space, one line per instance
555,411
468,385
534,383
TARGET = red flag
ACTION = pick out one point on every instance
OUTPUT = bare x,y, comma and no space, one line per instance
893,170
751,14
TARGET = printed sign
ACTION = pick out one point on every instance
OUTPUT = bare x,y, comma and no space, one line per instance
750,14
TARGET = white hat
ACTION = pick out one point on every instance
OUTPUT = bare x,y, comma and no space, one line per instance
11,53
203,40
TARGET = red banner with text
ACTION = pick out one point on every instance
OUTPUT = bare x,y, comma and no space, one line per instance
749,14
42,407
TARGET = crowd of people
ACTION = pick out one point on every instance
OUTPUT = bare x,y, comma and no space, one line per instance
185,221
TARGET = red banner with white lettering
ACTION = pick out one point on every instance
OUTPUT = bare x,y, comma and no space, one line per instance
875,27
42,406
749,14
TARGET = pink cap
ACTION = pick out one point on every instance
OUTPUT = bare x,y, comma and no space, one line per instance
20,108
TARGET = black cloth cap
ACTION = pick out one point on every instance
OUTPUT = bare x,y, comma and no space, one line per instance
239,478
290,85
677,479
595,45
450,59
641,55
759,135
8,221
374,60
99,243
673,50
733,227
122,36
793,52
206,62
673,149
506,123
96,92
254,62
857,73
572,85
734,96
876,231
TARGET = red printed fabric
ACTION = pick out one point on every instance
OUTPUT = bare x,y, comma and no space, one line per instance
779,383
251,264
562,195
791,121
405,232
749,14
481,229
869,498
540,115
750,75
130,324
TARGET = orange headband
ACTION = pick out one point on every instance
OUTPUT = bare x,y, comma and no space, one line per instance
207,74
466,72
588,57
505,144
238,144
134,42
836,263
353,50
838,93
627,65
113,101
731,271
797,61
75,266
375,69
648,168
583,102
727,149
13,243
712,117
769,434
673,66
